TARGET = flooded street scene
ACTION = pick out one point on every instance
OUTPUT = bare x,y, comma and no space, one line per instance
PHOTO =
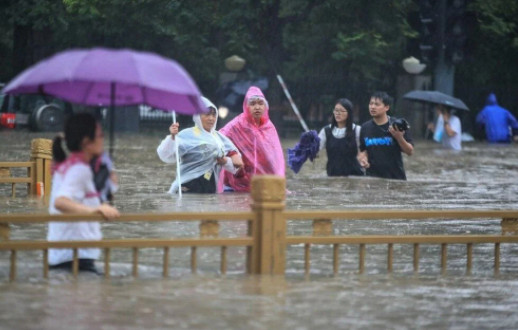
275,164
481,177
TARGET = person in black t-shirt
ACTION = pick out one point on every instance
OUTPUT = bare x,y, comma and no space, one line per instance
381,144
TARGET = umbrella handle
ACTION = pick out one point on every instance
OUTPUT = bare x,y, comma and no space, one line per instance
178,177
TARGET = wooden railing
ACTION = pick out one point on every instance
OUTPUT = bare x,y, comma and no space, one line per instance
266,241
38,170
7,177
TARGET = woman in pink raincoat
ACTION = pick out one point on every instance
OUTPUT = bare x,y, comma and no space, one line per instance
256,138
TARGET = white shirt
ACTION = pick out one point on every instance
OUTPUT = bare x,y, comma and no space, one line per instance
74,181
338,133
451,142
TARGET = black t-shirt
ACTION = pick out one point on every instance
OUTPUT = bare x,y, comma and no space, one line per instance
383,151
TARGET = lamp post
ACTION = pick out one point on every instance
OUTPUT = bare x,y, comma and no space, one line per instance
412,80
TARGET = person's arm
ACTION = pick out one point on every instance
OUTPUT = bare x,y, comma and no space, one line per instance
322,136
449,127
167,149
362,156
73,188
399,136
512,121
67,205
357,130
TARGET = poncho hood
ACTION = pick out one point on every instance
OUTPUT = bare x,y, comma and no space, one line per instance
252,92
491,99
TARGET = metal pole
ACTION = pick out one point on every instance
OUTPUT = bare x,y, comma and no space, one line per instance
178,177
112,117
293,105
444,73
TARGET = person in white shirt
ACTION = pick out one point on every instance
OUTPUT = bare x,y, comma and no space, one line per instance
341,141
203,152
73,191
448,129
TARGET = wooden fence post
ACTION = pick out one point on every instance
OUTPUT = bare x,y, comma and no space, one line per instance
268,254
41,154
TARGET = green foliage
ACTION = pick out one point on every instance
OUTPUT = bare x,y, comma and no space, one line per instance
323,49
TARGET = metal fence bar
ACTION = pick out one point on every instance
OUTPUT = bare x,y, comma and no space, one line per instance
107,257
135,262
362,258
75,262
223,260
193,260
469,258
416,258
444,258
307,258
165,271
497,258
12,271
45,263
390,257
336,250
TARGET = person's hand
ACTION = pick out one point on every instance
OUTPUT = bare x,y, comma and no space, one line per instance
114,178
107,211
396,133
173,129
363,160
237,161
221,160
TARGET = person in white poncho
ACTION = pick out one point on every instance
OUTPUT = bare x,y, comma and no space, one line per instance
203,151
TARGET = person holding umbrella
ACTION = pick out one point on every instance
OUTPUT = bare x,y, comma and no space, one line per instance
203,151
382,140
74,191
257,140
448,129
341,141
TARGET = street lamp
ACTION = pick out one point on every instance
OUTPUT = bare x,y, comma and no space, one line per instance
234,63
413,66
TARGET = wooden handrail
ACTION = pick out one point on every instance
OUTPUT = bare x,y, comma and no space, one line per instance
396,239
16,164
173,216
16,180
126,243
288,214
397,214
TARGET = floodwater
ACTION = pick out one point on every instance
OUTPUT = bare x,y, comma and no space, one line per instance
480,177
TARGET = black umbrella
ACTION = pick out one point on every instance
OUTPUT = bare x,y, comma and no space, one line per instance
436,97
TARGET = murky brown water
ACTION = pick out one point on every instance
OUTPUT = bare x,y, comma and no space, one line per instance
480,177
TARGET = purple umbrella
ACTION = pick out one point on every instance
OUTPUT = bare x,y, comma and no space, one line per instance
307,147
109,77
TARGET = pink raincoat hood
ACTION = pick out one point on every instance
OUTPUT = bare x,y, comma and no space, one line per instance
259,145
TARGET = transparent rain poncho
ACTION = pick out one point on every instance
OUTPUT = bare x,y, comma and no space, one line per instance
198,150
259,145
